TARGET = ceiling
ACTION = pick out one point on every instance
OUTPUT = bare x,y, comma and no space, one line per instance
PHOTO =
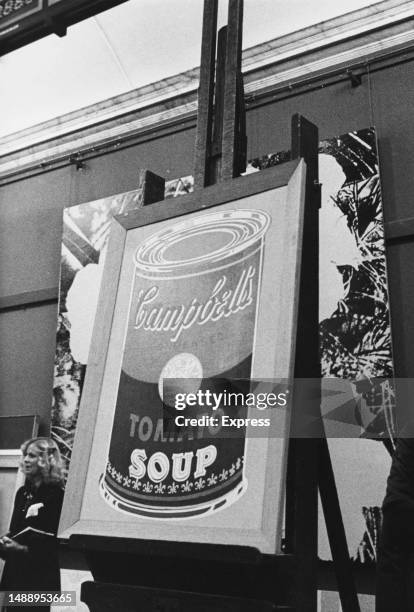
136,43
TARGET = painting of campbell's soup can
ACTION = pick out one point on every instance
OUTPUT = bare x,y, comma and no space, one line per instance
192,316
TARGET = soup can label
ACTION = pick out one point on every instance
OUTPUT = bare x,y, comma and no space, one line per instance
191,321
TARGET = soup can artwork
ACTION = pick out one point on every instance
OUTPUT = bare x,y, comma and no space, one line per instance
191,320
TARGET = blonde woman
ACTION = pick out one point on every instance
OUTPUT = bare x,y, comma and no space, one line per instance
34,566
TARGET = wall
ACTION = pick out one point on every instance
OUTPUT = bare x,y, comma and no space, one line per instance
31,214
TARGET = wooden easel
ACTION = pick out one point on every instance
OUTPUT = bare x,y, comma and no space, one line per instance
238,578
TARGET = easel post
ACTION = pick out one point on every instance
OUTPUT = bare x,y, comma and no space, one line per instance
336,531
309,463
302,478
203,143
220,149
152,187
233,139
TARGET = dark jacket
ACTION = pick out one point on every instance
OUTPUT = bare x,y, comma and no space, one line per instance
38,569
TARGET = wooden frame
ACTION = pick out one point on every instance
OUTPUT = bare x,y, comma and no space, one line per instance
282,192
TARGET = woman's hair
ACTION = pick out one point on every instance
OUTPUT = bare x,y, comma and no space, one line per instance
50,461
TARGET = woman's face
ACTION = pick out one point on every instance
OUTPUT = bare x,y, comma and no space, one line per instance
31,460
